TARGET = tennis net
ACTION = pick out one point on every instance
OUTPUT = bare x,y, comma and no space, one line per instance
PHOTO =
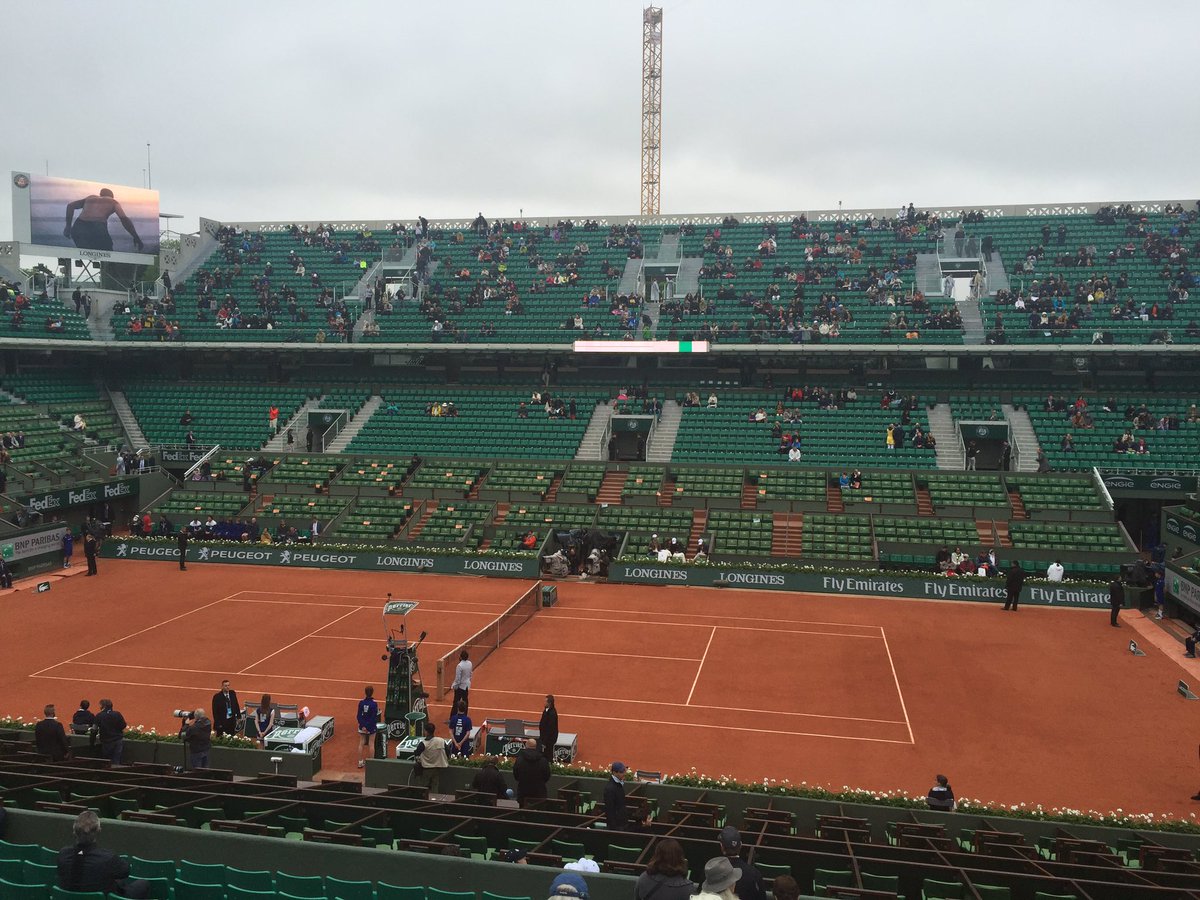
482,643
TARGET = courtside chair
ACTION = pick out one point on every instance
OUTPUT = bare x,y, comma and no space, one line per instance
942,890
188,890
201,873
250,880
18,891
299,885
57,893
385,891
383,837
142,868
337,889
881,883
36,873
823,878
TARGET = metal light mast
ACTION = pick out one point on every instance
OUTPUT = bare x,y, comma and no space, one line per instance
652,17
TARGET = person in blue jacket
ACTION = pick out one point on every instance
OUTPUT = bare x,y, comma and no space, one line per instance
368,723
460,732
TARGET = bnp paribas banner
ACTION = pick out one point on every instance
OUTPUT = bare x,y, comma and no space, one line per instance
875,584
319,557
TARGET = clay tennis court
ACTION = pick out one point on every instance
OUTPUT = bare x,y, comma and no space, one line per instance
1043,706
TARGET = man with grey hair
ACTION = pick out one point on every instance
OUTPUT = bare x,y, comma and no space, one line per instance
50,738
85,866
197,734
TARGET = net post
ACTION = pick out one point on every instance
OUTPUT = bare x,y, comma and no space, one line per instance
441,679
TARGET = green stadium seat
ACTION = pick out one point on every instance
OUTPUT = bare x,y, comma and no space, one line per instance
385,891
201,873
337,889
187,890
932,889
300,885
253,880
57,893
823,878
37,873
17,890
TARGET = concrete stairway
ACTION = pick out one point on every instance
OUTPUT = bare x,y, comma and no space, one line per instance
662,442
997,273
6,397
688,280
355,425
591,445
129,423
1025,442
972,320
668,250
299,422
629,278
941,424
928,275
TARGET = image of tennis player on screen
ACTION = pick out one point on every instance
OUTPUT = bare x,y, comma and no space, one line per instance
89,230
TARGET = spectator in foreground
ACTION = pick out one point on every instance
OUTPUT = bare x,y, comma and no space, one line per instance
568,884
1054,572
750,881
532,771
785,888
614,799
489,780
110,726
87,867
50,738
720,878
666,875
941,796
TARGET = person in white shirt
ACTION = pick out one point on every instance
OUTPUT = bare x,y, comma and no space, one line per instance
1055,572
462,681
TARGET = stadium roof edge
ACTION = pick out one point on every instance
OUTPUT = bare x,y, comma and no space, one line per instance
818,215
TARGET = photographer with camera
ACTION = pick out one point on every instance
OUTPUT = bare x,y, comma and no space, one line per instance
196,732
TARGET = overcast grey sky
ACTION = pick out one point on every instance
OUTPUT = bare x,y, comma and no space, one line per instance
298,110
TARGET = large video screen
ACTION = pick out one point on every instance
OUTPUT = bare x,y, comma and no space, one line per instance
85,219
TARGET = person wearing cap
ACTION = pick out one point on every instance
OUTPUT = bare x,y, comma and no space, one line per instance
720,876
614,799
750,882
568,884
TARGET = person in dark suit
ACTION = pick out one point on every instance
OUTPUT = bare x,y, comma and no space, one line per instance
1116,599
6,578
84,866
1013,584
50,737
90,547
183,539
227,711
548,729
615,815
531,772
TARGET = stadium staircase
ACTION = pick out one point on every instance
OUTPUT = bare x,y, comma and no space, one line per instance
630,277
997,274
972,321
129,423
699,524
1025,442
591,445
425,515
9,398
833,499
195,257
99,323
662,442
924,501
612,487
787,533
278,443
928,275
688,279
950,454
355,425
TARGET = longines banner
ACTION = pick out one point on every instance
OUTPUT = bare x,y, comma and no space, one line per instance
83,495
875,584
319,557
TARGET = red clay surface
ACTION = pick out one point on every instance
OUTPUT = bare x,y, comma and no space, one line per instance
1043,706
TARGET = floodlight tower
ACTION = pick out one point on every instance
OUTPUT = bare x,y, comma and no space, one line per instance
652,18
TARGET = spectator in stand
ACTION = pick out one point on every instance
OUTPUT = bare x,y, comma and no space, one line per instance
489,780
1189,644
615,815
50,738
570,885
531,771
749,881
86,867
110,726
941,796
1055,571
665,877
972,455
84,721
943,560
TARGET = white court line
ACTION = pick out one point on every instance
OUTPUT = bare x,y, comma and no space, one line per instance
700,668
374,610
609,620
640,722
559,613
776,712
134,634
380,600
298,640
900,693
